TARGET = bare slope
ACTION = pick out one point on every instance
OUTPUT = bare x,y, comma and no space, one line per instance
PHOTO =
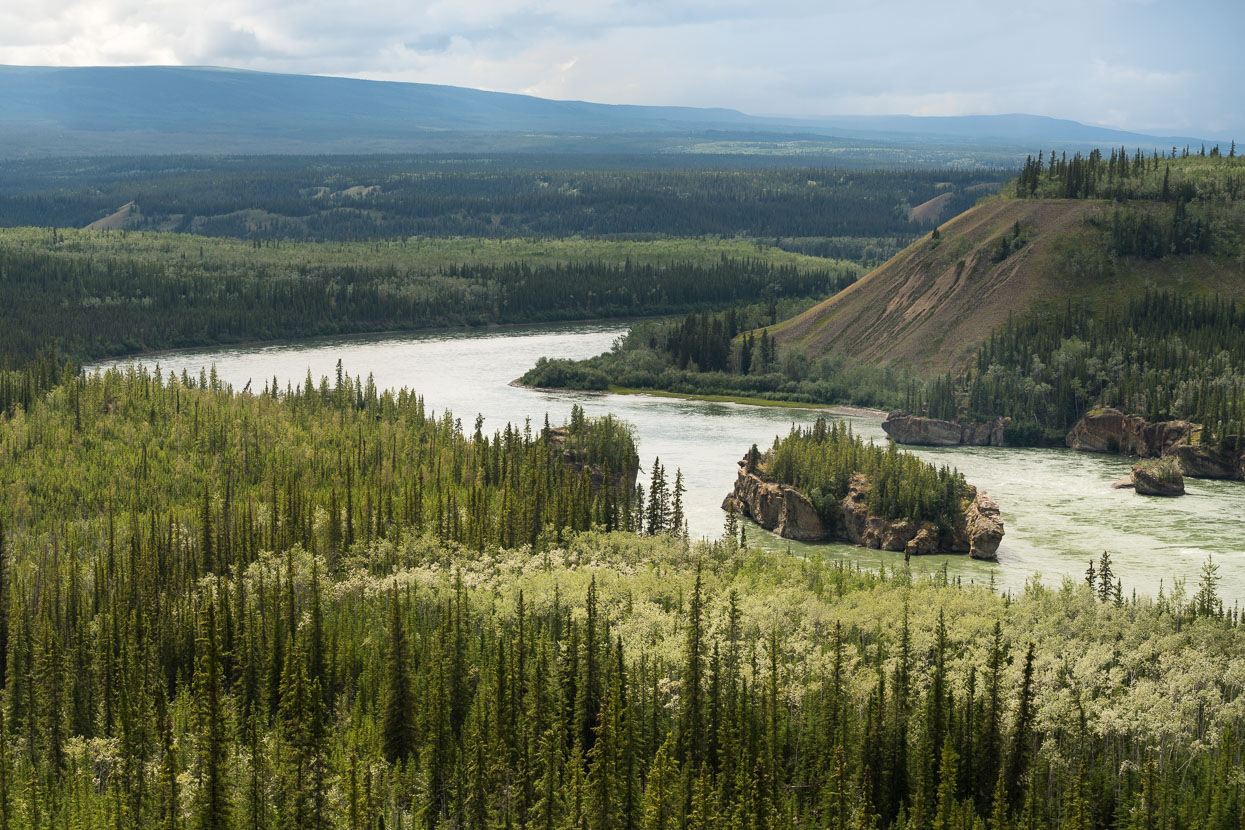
934,302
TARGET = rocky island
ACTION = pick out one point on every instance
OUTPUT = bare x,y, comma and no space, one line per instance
1108,430
824,484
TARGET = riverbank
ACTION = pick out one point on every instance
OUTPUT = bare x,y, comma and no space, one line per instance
359,336
742,400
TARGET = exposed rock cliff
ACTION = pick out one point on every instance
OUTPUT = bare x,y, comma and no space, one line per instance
1110,430
933,432
1209,462
985,527
789,513
777,507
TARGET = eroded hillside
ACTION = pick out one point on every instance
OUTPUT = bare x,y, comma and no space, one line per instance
931,305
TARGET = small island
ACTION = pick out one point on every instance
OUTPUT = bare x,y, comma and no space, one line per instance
825,483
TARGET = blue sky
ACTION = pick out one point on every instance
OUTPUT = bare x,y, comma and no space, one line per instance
1169,67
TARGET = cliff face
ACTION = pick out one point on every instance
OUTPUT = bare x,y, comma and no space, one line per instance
789,514
1108,430
932,432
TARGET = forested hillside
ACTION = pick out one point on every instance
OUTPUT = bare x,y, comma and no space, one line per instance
1026,306
323,607
1161,356
99,293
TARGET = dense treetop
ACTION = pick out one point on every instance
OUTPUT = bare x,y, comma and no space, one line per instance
99,293
821,461
247,619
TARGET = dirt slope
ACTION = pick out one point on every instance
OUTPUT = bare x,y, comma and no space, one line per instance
931,305
125,216
930,211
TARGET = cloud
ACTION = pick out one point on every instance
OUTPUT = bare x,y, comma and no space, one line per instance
1117,62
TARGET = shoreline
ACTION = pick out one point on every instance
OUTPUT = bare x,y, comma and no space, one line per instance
843,410
315,338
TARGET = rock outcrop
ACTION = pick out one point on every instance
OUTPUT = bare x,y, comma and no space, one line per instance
985,527
622,481
1158,478
1207,462
777,507
933,432
790,514
1111,431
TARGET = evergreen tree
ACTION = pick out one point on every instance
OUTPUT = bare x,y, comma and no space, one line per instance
398,727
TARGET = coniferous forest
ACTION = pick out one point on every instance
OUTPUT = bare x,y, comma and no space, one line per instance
101,293
324,606
1161,355
327,604
728,353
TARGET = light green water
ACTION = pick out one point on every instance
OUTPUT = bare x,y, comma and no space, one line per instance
1057,505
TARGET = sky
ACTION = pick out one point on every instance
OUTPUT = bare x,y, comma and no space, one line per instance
1166,67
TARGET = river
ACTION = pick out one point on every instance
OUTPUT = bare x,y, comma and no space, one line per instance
1057,505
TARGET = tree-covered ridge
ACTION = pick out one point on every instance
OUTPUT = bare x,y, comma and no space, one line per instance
103,293
387,197
1159,355
321,466
1179,176
821,461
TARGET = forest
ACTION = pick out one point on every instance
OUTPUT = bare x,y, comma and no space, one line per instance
388,197
1146,348
728,353
323,606
1160,355
103,293
1178,176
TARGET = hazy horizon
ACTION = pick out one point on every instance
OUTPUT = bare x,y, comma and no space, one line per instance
1121,64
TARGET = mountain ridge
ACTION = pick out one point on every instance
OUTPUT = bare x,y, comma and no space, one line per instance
176,109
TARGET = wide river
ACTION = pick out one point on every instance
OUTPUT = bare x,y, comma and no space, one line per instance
1057,505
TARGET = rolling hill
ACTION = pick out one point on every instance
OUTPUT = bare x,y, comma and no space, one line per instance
169,109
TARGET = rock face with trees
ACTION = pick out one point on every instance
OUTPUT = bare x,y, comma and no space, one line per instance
935,432
826,484
1178,443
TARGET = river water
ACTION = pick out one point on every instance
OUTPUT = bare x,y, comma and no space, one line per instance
1057,505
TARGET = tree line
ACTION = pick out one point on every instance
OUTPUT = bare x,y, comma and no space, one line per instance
102,303
311,198
1161,355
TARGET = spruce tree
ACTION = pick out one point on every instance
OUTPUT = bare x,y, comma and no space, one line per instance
398,718
213,803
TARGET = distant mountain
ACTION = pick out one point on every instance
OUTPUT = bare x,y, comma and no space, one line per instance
160,109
